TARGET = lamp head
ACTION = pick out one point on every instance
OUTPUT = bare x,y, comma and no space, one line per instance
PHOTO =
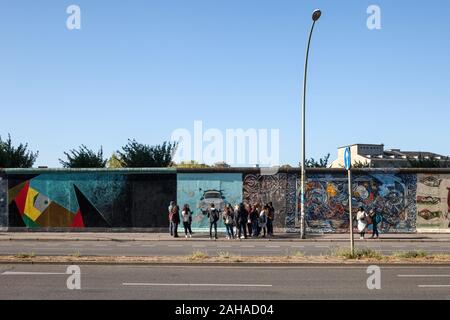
316,15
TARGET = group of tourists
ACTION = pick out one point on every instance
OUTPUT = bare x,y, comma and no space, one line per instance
241,221
365,219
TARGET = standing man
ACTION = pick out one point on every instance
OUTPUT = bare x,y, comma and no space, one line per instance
270,219
170,215
242,218
213,215
174,219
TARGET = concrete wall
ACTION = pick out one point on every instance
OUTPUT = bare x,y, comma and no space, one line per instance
433,201
3,200
90,199
407,199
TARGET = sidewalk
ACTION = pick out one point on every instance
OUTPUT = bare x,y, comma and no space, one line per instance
119,236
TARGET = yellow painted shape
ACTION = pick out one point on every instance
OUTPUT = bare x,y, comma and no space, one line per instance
30,210
331,190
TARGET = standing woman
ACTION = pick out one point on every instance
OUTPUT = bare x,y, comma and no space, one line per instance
263,220
228,219
249,209
236,220
187,220
362,216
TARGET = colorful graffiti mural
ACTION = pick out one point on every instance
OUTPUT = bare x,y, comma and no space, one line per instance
278,189
91,200
433,201
121,199
3,200
199,190
391,195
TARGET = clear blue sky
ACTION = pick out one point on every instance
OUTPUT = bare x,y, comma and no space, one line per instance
140,69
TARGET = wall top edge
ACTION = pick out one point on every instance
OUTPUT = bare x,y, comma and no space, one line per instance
244,170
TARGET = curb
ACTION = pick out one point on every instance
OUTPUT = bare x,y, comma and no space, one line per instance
230,264
225,241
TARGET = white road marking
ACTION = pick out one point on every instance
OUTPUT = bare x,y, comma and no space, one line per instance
247,246
423,275
322,246
434,285
398,246
100,245
363,267
148,245
297,246
21,273
197,284
223,246
272,246
175,245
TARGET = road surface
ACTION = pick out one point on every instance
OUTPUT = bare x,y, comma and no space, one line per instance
224,282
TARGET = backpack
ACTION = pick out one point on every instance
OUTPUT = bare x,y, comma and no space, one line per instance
214,214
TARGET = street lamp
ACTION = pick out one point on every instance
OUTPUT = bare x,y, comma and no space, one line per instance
315,16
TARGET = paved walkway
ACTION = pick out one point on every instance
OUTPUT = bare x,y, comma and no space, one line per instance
110,236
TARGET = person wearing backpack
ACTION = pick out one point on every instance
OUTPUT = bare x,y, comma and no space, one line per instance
376,218
213,215
242,218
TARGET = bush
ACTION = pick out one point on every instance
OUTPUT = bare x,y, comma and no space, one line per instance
412,254
358,254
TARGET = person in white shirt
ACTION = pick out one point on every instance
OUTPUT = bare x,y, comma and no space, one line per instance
362,218
262,221
187,220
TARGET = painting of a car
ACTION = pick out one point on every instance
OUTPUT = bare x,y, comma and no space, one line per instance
209,197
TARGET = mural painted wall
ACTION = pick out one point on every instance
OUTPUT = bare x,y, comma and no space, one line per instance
3,200
278,189
116,199
433,201
391,195
89,199
199,190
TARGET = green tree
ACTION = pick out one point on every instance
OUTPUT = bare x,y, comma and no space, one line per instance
322,163
191,164
221,164
360,165
138,155
84,158
16,157
422,162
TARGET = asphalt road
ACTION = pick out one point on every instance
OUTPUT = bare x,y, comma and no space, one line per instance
224,282
235,247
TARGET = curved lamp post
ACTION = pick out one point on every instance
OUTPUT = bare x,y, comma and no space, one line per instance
315,16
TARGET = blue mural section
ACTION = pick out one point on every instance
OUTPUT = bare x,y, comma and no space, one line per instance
393,196
100,188
199,190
